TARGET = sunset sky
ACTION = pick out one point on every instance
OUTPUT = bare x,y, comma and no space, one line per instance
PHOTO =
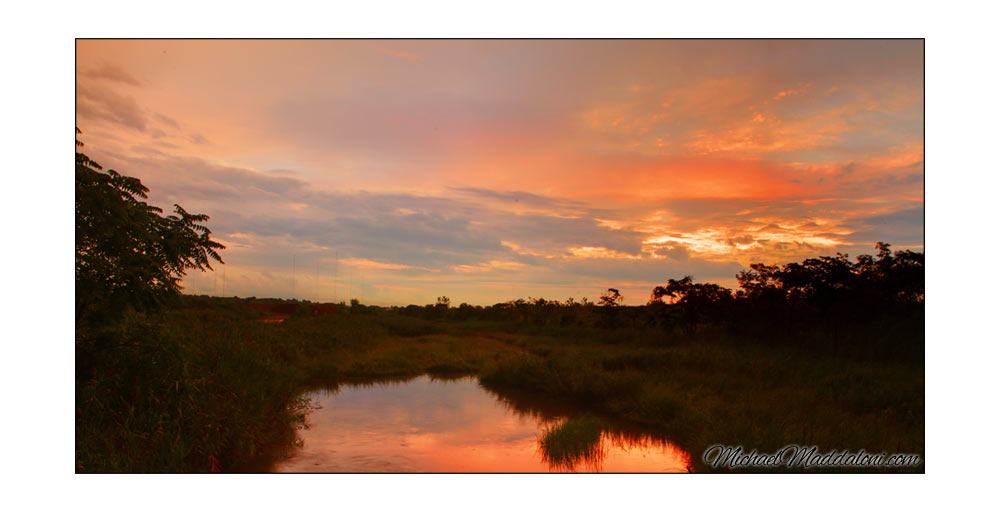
397,171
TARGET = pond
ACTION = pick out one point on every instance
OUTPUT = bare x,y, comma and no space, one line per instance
430,425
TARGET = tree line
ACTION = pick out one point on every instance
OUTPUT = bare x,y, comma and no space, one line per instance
876,297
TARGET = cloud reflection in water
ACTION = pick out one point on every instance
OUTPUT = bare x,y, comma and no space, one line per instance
433,425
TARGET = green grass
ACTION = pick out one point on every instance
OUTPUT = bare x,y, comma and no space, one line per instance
207,388
703,393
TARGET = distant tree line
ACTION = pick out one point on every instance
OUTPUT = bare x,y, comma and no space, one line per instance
871,296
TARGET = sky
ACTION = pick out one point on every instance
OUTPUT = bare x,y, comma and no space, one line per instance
397,171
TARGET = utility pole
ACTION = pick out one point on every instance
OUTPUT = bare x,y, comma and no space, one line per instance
293,275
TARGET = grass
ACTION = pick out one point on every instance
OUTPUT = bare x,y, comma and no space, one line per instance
575,442
703,393
181,396
207,388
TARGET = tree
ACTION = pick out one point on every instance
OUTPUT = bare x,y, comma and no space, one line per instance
695,301
611,298
830,280
128,255
609,303
687,292
832,290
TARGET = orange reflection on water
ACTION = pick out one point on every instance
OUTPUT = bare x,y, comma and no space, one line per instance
428,425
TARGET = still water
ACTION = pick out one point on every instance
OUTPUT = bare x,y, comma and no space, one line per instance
432,425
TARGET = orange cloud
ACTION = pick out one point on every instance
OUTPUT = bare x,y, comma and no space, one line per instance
488,266
402,54
371,264
658,179
598,252
791,92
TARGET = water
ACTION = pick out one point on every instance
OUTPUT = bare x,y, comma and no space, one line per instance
431,425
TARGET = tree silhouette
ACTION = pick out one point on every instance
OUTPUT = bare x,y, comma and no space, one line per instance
883,290
128,255
611,298
610,302
827,280
696,301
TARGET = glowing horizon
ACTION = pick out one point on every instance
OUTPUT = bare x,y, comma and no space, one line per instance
488,170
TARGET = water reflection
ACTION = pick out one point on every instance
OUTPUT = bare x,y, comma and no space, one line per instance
455,425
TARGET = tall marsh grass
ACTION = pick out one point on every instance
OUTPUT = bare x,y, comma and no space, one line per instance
205,388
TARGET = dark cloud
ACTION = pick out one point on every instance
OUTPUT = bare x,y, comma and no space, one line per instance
167,120
520,197
431,232
95,101
112,73
186,178
556,233
674,251
389,227
901,227
197,138
911,178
